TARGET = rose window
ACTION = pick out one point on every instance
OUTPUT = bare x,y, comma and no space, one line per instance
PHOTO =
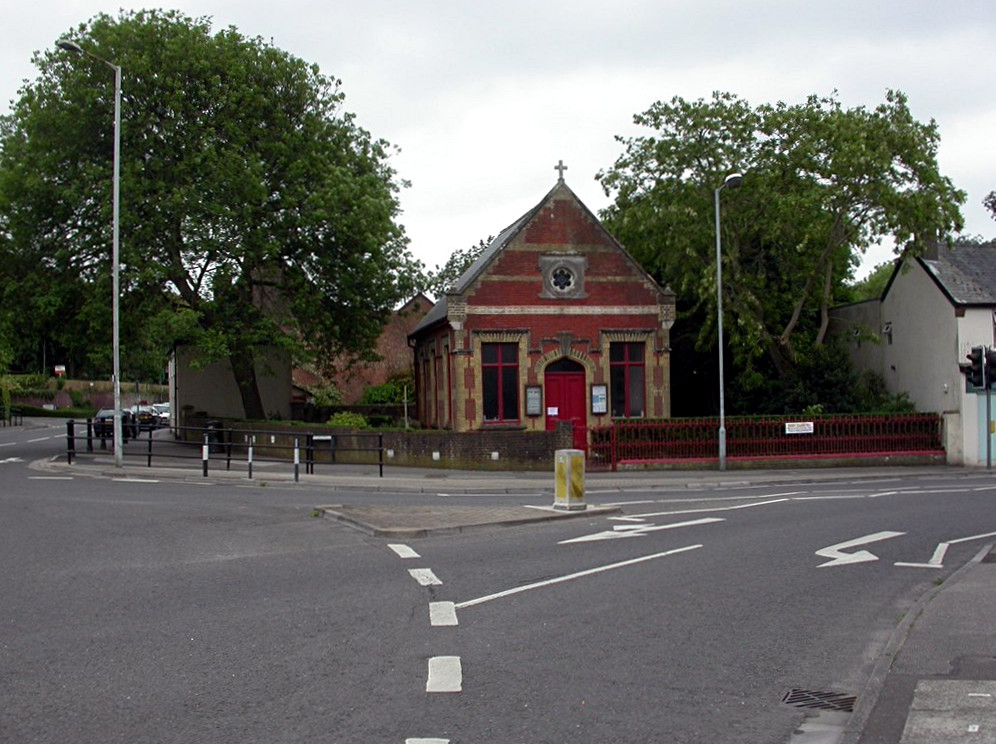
562,279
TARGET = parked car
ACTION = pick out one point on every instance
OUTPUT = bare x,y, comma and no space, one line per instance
103,424
146,417
162,412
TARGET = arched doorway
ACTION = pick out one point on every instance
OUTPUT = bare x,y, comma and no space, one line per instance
566,399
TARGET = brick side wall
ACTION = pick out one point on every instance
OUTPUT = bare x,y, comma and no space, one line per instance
392,346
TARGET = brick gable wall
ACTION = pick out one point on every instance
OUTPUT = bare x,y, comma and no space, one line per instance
511,302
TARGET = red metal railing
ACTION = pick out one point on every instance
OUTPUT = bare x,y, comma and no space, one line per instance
662,441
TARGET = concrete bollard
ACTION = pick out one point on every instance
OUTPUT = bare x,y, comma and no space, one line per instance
568,489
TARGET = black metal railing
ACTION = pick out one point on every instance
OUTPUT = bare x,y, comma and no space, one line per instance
214,443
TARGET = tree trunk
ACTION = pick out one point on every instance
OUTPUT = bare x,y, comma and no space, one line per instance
825,305
781,356
823,266
244,369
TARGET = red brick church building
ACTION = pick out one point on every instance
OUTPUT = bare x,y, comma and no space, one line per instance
555,321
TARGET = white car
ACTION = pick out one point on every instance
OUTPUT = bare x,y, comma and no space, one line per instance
162,413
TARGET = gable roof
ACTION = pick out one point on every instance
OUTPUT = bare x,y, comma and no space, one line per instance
440,310
965,273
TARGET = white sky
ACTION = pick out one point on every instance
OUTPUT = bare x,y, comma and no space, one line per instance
484,98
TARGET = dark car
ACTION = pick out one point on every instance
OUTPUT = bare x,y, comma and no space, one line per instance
103,424
146,417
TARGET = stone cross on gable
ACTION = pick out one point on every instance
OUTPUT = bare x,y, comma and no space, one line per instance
561,168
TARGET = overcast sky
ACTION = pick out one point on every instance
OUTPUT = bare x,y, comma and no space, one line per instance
484,98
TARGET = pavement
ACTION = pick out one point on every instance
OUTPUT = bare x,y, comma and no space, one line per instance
934,682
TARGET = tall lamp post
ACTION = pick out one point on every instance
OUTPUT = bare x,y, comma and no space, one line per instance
732,181
71,46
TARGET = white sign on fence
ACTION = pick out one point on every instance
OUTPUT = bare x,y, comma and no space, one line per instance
798,427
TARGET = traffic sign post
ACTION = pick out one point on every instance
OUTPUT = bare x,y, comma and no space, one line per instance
980,371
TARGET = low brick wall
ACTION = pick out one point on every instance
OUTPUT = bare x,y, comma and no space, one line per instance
487,449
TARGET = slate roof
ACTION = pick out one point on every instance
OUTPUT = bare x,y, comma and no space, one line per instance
440,310
966,274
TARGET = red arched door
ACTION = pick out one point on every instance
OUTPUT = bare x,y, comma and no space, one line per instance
565,398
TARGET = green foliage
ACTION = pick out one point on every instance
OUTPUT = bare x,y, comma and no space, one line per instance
255,211
5,402
8,336
27,383
81,413
324,397
348,420
872,286
438,281
821,183
823,382
393,391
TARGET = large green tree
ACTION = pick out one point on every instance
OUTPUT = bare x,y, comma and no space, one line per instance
821,183
255,211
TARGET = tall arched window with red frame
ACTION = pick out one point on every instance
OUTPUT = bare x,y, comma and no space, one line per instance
627,379
500,381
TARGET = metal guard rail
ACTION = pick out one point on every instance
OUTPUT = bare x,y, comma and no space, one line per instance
220,443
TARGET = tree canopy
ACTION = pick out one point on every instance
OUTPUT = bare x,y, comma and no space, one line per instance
873,286
820,184
437,282
255,212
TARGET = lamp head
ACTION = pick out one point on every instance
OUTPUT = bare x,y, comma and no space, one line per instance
733,180
69,46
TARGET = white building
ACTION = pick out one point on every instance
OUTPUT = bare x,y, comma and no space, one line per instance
935,308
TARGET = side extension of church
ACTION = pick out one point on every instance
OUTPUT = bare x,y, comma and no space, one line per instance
554,322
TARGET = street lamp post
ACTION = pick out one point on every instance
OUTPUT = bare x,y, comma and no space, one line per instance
732,181
71,46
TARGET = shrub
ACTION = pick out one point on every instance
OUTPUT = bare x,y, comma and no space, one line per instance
325,396
348,420
24,383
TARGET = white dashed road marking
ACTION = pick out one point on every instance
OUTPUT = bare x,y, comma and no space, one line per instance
403,551
424,576
442,613
445,674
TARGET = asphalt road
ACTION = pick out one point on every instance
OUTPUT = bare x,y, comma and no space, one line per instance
146,611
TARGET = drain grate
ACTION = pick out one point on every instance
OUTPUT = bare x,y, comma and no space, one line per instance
838,701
